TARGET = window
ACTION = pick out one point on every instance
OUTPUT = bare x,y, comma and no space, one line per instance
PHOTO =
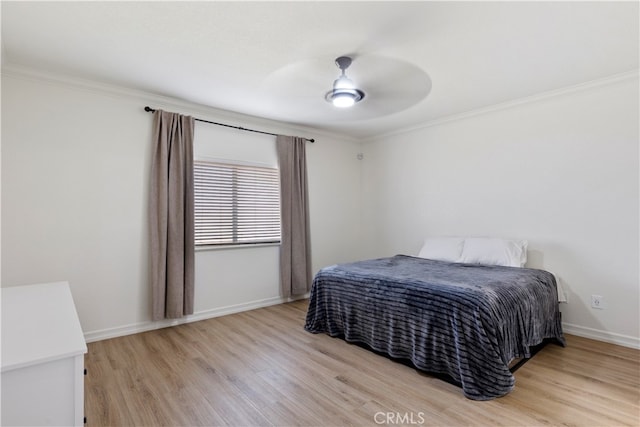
236,204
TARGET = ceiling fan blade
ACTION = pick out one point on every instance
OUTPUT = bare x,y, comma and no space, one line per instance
390,85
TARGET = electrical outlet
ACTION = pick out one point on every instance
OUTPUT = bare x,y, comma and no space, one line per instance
597,301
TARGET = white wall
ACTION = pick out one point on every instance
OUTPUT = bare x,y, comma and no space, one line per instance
75,169
558,170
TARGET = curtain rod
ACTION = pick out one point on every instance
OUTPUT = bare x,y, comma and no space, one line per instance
151,110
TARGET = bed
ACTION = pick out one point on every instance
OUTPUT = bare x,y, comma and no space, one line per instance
464,320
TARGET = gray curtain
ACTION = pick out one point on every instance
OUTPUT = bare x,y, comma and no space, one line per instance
295,247
171,216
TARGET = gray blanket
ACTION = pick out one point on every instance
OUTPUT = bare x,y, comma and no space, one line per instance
464,320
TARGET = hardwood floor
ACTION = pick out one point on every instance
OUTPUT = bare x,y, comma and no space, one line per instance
260,368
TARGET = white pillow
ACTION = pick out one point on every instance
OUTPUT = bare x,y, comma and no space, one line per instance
442,248
494,251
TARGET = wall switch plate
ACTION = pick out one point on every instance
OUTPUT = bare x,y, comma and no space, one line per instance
597,301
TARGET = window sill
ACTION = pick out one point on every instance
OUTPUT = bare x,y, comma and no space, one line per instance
205,248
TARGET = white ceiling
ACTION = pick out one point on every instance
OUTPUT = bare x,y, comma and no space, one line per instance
275,59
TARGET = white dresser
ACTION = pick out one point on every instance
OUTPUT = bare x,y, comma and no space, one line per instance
42,357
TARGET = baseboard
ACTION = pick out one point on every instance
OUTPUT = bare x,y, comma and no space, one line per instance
135,328
103,334
599,335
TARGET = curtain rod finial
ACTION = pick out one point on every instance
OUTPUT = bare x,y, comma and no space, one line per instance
149,109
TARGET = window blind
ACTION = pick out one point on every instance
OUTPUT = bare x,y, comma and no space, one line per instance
236,204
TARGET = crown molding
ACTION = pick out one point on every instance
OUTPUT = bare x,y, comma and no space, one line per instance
605,81
274,126
155,100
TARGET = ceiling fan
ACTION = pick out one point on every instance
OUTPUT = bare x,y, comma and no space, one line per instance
391,85
344,93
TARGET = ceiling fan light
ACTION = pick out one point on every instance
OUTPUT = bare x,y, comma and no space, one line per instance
343,100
